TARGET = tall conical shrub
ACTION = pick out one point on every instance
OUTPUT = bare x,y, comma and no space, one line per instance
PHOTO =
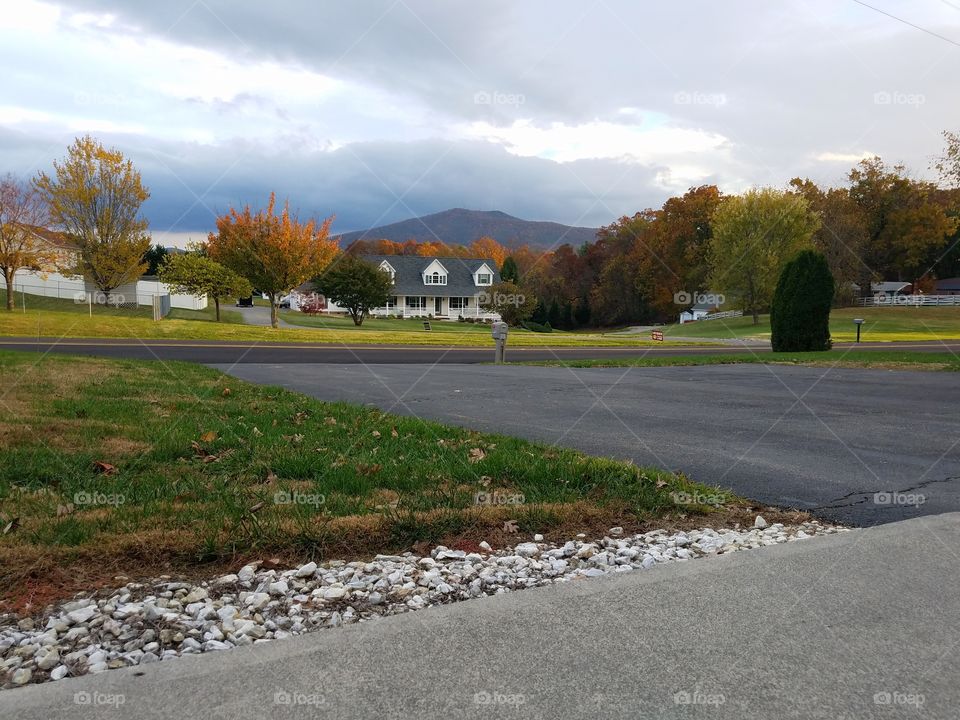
800,314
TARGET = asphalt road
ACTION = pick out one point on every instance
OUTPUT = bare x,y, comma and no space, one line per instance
818,439
227,352
859,625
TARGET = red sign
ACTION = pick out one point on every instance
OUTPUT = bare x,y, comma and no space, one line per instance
657,335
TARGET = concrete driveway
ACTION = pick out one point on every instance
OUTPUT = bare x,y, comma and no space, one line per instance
859,625
825,440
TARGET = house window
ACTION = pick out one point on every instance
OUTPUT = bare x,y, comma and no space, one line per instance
484,279
435,279
459,303
391,302
416,302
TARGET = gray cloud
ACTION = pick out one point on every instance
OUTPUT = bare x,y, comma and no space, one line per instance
785,84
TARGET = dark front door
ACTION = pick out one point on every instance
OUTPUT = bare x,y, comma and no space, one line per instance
438,306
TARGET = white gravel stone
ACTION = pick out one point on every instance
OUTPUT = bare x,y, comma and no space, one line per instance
92,635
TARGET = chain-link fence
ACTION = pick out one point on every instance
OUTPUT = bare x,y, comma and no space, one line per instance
77,296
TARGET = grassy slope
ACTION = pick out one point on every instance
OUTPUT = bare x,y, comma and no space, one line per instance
887,359
884,324
39,304
200,458
119,324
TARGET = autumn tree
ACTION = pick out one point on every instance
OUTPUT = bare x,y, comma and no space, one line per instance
355,284
513,303
948,164
489,249
842,235
754,235
195,274
94,196
905,224
275,252
22,211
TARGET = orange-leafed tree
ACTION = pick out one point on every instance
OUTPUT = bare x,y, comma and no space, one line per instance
488,248
22,213
275,252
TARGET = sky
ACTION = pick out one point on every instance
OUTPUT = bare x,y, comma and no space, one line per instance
376,111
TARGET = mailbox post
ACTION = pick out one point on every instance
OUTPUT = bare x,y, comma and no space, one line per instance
499,333
858,322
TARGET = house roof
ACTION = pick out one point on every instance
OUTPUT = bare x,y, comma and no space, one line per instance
947,284
51,237
409,274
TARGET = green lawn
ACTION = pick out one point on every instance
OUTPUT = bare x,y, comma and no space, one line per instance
198,467
881,324
40,304
886,359
371,324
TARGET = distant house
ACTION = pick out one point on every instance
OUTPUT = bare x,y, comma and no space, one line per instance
947,286
888,288
442,287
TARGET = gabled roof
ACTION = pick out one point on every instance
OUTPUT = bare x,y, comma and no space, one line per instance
410,268
947,284
52,237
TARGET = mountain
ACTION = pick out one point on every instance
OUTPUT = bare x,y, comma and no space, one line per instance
462,227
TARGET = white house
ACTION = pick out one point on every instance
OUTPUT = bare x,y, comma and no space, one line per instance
441,287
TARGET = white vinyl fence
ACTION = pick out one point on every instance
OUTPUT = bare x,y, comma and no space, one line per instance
909,301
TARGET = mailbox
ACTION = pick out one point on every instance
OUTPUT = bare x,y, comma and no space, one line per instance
499,330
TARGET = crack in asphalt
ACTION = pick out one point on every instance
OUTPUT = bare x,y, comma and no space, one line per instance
868,493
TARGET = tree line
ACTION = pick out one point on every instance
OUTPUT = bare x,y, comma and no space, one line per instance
881,224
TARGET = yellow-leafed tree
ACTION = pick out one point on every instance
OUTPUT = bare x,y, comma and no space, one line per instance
275,252
22,214
94,196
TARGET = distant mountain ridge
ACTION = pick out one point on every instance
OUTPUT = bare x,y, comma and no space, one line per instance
460,226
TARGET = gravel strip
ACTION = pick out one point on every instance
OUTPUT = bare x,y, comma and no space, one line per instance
149,622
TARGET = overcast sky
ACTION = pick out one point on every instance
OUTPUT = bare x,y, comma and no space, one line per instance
376,111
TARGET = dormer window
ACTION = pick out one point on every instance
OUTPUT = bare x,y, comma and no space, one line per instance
435,274
483,275
388,268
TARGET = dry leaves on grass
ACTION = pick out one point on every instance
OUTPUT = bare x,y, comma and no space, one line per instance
103,468
477,454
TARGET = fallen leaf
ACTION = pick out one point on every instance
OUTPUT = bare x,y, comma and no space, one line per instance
476,455
256,432
209,436
330,421
64,509
271,477
661,483
257,507
376,433
485,480
394,433
510,526
103,468
226,392
300,417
